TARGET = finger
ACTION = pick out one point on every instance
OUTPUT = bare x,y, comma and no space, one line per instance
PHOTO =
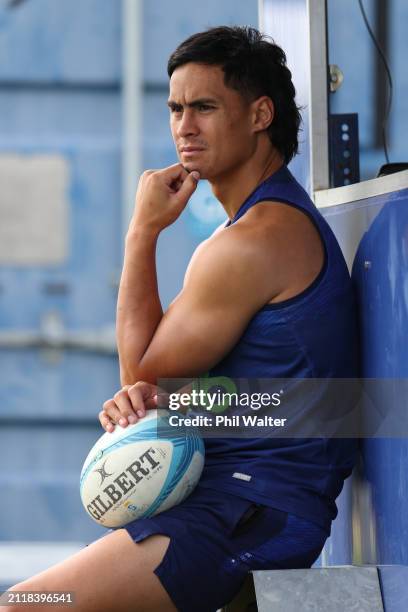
137,401
160,400
173,173
125,407
106,422
141,395
152,403
187,188
112,410
175,185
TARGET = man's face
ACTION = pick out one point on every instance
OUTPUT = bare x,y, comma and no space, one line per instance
210,123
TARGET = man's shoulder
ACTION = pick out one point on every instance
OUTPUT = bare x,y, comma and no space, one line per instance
239,241
219,228
229,244
230,263
256,240
271,212
273,251
280,226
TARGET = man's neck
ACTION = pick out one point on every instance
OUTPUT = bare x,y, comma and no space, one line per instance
234,189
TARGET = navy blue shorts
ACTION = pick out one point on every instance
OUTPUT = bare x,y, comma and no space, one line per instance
216,538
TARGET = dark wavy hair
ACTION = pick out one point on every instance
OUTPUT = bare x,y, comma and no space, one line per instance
254,66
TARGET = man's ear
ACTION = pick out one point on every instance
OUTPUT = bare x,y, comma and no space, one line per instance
263,113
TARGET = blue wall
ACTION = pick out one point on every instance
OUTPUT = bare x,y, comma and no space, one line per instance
60,80
60,97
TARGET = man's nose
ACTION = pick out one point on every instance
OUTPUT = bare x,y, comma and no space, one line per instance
187,124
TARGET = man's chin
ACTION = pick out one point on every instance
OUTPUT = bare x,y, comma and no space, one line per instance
192,166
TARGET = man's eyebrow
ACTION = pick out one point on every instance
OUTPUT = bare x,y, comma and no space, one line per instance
194,103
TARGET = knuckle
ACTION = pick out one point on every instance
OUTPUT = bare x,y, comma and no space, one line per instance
127,413
139,384
133,391
154,177
106,405
104,419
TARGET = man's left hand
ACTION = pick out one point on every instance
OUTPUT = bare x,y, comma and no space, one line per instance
130,403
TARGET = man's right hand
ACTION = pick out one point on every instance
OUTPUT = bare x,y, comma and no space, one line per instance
161,197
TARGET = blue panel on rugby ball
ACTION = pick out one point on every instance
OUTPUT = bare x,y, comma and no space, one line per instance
140,470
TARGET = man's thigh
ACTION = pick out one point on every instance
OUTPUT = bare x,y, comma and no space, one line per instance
112,574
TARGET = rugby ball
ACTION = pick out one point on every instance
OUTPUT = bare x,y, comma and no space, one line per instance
140,470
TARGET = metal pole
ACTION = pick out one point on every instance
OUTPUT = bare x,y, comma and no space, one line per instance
261,15
318,96
132,99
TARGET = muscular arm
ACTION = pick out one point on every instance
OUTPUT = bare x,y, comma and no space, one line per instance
222,291
161,196
139,310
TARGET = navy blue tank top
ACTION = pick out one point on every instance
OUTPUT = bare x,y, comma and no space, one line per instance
311,335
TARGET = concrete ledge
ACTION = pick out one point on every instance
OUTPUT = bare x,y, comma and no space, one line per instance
355,589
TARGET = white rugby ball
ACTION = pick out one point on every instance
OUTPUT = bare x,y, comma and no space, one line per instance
140,470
